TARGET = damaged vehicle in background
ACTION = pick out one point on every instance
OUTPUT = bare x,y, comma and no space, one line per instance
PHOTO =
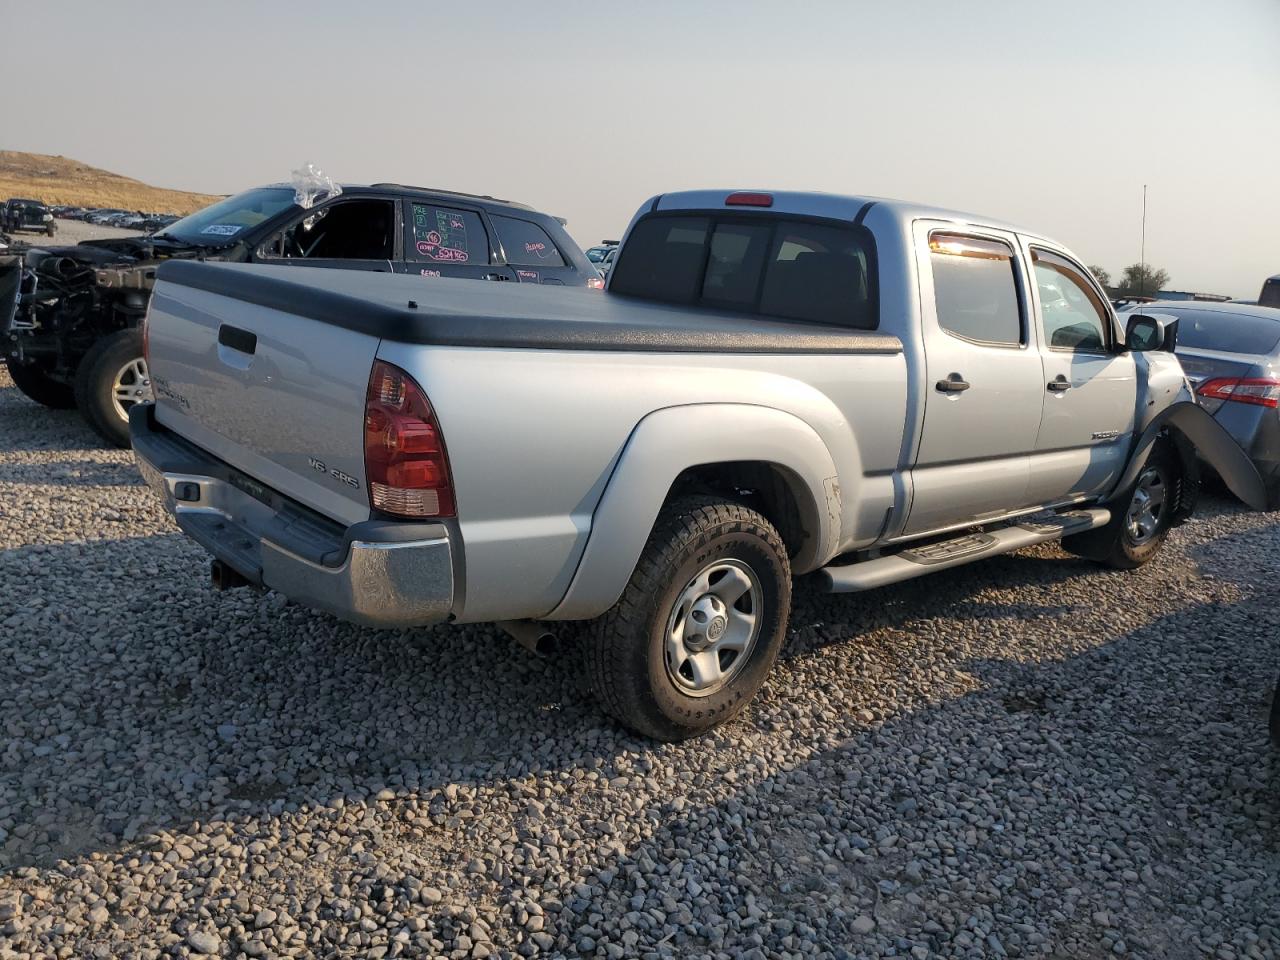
70,317
18,214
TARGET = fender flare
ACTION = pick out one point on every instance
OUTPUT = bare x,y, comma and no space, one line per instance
666,443
1213,444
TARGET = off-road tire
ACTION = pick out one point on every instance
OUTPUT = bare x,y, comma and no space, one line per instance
1111,544
94,380
625,648
36,384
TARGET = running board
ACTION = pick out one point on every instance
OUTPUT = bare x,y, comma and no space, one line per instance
943,554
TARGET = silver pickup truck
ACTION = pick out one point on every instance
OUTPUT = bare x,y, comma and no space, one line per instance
775,384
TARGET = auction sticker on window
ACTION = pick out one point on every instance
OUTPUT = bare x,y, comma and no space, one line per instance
222,229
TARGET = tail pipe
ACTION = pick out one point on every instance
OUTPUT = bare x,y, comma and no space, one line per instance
532,636
224,577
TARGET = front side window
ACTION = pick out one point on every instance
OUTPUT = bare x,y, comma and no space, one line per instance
526,243
1072,314
445,235
346,230
975,289
772,266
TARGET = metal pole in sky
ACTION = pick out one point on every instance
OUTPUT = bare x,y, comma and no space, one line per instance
1142,256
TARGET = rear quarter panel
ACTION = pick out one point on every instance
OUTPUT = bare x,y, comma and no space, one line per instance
534,437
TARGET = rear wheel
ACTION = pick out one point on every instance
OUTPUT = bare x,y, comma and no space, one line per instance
35,382
699,625
111,380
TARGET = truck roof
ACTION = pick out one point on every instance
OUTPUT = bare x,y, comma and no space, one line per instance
833,205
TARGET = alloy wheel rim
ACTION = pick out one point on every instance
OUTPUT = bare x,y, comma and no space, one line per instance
131,386
713,627
1146,509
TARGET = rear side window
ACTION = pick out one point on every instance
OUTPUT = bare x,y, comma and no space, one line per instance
445,235
1229,332
975,289
773,266
526,243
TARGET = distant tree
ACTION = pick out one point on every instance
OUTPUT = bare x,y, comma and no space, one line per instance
1101,275
1142,279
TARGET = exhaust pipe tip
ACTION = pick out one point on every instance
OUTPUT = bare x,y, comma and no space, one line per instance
224,577
533,637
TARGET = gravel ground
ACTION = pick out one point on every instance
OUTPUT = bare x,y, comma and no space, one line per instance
1026,757
71,232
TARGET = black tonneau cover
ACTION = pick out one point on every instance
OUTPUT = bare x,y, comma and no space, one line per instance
452,312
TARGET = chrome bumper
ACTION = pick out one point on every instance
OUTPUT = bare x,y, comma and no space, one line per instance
376,574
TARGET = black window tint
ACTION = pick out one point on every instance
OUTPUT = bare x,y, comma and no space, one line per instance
975,288
444,235
1230,332
792,269
820,274
526,243
1270,293
733,267
663,259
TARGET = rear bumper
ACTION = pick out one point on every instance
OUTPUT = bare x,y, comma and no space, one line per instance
376,573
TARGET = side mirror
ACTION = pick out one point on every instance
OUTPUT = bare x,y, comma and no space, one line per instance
1144,332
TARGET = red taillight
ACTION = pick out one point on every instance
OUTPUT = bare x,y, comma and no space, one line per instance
595,283
1260,391
749,200
404,455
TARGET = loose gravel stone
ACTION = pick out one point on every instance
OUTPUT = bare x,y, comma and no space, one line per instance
1026,757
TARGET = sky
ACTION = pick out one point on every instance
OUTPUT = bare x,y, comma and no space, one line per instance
1052,116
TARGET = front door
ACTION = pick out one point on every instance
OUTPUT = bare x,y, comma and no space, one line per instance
983,379
1090,388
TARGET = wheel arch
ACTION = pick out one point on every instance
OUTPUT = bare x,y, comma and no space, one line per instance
769,459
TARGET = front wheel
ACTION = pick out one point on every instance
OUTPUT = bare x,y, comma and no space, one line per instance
111,379
699,625
1141,523
35,383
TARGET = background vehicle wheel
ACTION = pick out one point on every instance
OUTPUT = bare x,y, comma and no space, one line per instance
35,383
111,379
50,229
1141,525
699,625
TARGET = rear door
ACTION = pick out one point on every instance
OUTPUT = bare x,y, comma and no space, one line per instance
449,241
349,233
531,252
983,378
1090,387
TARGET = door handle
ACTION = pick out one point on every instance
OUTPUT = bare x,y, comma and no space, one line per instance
240,340
953,384
1059,383
496,276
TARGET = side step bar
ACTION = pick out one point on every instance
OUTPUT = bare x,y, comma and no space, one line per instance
943,554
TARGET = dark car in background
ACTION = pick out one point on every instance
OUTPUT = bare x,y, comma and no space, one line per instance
1270,295
1231,355
19,214
75,338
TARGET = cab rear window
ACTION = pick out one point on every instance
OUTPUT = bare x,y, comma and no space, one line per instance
816,272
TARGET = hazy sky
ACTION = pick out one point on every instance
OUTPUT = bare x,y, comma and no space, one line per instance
1049,115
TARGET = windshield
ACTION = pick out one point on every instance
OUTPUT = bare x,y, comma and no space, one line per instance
597,254
223,222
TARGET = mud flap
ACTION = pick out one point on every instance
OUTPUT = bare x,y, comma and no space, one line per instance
1211,441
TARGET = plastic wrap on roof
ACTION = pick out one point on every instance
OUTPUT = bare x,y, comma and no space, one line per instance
311,184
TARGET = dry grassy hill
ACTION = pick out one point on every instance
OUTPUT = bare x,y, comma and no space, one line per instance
62,180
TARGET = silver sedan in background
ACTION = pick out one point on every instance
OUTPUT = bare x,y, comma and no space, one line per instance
1231,355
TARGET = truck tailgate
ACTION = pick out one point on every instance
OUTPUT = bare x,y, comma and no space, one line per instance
278,396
